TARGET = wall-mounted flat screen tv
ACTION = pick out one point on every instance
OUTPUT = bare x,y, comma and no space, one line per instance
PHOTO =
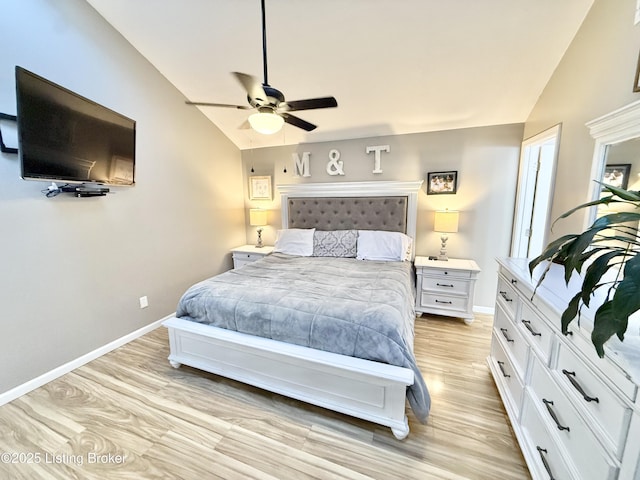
65,137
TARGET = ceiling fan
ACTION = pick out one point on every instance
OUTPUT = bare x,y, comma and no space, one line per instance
273,110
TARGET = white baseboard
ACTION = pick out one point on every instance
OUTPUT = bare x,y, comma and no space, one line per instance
26,387
484,310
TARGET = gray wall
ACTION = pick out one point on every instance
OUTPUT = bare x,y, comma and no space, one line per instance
486,160
73,269
595,77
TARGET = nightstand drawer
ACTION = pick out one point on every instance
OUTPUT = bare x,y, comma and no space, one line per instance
446,285
443,302
246,257
249,253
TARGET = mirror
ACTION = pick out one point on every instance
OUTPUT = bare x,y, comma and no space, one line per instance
616,158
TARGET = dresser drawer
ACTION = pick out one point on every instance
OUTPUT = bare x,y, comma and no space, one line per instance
592,395
537,332
508,379
516,345
589,457
507,297
443,302
447,285
548,460
580,342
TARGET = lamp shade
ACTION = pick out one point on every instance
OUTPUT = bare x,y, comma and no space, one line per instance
266,122
446,221
257,217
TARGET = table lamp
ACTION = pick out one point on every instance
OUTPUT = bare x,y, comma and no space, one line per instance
446,221
258,218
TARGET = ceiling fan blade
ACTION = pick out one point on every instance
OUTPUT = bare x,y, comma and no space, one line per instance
208,104
252,85
309,104
298,122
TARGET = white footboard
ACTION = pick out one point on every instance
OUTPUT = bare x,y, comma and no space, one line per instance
369,390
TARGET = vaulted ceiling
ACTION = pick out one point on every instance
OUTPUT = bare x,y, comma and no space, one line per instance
395,67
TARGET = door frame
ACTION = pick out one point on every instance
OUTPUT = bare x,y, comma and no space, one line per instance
525,203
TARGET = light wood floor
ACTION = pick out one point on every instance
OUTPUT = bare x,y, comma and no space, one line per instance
148,420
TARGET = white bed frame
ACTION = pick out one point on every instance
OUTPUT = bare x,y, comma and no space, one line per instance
364,389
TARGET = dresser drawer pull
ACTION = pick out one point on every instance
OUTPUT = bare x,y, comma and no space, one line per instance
527,323
441,301
578,387
504,334
543,452
548,404
514,281
504,374
504,295
444,285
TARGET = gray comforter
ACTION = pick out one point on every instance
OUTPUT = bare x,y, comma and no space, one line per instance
358,308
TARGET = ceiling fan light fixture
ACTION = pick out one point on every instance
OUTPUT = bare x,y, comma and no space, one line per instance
266,122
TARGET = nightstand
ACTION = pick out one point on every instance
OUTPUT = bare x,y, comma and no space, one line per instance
248,253
446,287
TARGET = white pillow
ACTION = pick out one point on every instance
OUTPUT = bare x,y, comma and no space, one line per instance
384,246
295,241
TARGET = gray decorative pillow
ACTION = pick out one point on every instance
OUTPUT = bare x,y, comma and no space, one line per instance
335,243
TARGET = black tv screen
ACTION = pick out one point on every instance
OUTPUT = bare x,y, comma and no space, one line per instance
63,136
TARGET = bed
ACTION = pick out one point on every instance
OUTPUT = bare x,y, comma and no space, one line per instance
350,347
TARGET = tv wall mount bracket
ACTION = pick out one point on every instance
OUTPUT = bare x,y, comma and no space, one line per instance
3,147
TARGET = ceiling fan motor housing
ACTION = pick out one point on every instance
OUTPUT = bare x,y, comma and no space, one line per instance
274,98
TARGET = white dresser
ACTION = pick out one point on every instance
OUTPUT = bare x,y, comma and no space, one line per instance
446,287
575,415
248,253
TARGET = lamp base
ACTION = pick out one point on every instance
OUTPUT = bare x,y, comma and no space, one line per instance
259,244
443,248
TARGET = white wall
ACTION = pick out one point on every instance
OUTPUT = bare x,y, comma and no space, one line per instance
72,270
595,77
486,159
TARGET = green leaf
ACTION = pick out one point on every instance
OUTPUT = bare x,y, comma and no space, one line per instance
629,195
626,300
550,251
593,203
605,325
594,273
606,221
570,313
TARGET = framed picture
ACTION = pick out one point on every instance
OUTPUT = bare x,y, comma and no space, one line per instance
617,175
260,188
439,183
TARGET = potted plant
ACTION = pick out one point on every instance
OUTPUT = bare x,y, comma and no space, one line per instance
609,253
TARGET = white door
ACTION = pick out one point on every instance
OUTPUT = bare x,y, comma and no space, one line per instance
535,190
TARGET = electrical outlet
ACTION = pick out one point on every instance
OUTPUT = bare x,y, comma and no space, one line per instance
144,302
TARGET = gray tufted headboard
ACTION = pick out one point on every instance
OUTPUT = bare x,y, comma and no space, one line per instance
381,205
344,213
